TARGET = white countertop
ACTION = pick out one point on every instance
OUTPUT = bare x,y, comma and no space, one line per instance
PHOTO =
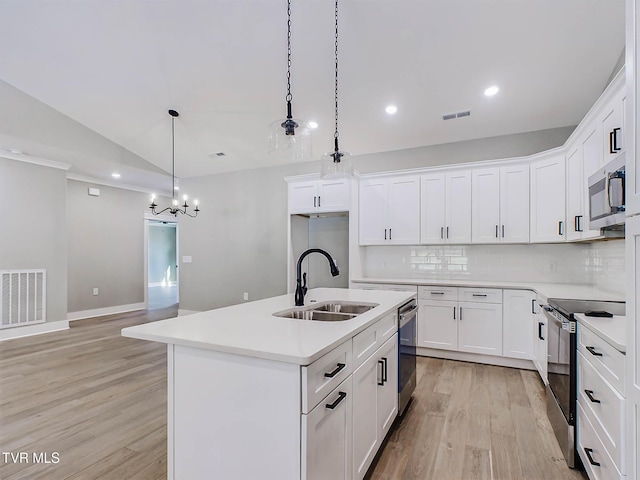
612,330
547,290
250,329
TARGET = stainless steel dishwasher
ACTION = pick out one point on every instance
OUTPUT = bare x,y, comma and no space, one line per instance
407,342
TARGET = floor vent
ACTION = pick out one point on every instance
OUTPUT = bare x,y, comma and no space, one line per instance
451,116
23,300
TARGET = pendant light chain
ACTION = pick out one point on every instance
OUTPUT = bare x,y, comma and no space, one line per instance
173,156
289,97
336,134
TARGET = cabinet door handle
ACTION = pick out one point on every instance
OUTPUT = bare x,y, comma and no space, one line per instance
589,451
314,202
447,232
502,231
580,227
441,232
319,201
560,227
384,372
611,141
533,306
616,148
593,352
389,234
381,381
589,394
460,313
336,371
496,231
341,396
385,233
454,313
540,325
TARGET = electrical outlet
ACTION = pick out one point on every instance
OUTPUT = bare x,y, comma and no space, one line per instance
246,296
95,291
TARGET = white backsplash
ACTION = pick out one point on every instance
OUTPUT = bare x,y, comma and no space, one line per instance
600,263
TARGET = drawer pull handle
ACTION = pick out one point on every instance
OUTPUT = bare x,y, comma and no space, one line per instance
337,370
479,294
590,395
341,396
437,293
589,451
593,352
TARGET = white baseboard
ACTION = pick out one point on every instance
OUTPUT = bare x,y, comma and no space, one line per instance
37,329
99,312
186,312
476,358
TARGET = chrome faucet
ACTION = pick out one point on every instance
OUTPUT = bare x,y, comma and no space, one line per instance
301,279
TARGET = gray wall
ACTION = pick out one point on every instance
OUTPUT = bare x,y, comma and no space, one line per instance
239,241
162,253
34,226
105,244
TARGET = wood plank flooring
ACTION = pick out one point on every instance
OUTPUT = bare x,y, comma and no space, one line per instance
99,401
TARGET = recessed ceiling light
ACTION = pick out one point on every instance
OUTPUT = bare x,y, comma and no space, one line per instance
15,150
313,124
115,175
491,91
391,109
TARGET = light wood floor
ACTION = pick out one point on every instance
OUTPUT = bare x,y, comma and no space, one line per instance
99,400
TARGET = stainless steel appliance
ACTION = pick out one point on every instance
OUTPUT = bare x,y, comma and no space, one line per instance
562,373
606,195
407,342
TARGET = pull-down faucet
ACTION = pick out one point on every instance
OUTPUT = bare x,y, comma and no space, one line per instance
301,288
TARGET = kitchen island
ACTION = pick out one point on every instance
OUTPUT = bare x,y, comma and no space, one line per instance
252,395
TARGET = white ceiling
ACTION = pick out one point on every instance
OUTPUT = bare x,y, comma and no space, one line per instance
117,66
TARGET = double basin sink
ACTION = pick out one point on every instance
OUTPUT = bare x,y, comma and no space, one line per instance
327,311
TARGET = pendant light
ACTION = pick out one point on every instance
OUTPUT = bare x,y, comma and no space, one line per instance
337,163
175,207
290,139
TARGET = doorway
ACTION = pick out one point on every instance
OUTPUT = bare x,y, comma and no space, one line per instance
162,264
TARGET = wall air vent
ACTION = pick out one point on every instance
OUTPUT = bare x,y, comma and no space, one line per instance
217,154
451,116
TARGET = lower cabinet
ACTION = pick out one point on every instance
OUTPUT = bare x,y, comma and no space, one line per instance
327,436
375,404
518,311
540,355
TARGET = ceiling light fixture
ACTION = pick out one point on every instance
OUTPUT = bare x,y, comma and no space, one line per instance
491,91
391,109
175,207
337,163
290,139
115,175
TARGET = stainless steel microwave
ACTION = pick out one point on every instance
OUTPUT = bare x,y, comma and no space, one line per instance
606,195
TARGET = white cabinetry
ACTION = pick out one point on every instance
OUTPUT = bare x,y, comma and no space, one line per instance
548,200
601,406
390,211
540,355
318,196
612,127
445,213
518,310
453,322
500,206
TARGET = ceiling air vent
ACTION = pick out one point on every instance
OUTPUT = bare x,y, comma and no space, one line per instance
217,154
451,116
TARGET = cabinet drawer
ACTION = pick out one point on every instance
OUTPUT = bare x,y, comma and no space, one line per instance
368,286
605,406
608,361
401,288
430,292
323,375
368,341
589,442
483,295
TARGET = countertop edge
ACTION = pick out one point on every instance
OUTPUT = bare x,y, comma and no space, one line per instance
585,321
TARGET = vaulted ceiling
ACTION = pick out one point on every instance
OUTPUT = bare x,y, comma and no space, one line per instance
115,67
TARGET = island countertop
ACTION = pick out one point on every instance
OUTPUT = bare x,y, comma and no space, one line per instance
250,329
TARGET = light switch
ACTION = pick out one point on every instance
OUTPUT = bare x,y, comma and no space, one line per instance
95,291
94,192
186,259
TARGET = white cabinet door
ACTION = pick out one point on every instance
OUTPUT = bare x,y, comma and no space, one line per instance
632,357
333,195
365,414
458,207
388,391
485,208
540,342
404,211
548,200
432,211
327,436
480,328
518,308
613,129
373,211
575,195
303,197
514,204
438,324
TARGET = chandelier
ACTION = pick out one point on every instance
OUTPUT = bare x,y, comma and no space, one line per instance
175,208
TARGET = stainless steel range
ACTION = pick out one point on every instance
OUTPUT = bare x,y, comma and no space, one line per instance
562,373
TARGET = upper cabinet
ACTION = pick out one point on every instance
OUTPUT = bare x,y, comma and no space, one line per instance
390,211
500,204
548,186
445,211
319,196
612,127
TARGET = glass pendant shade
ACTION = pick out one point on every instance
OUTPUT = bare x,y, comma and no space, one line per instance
336,164
290,141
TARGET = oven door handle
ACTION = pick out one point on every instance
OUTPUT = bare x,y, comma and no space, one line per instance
406,316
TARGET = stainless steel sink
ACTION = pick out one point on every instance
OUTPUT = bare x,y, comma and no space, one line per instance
327,311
